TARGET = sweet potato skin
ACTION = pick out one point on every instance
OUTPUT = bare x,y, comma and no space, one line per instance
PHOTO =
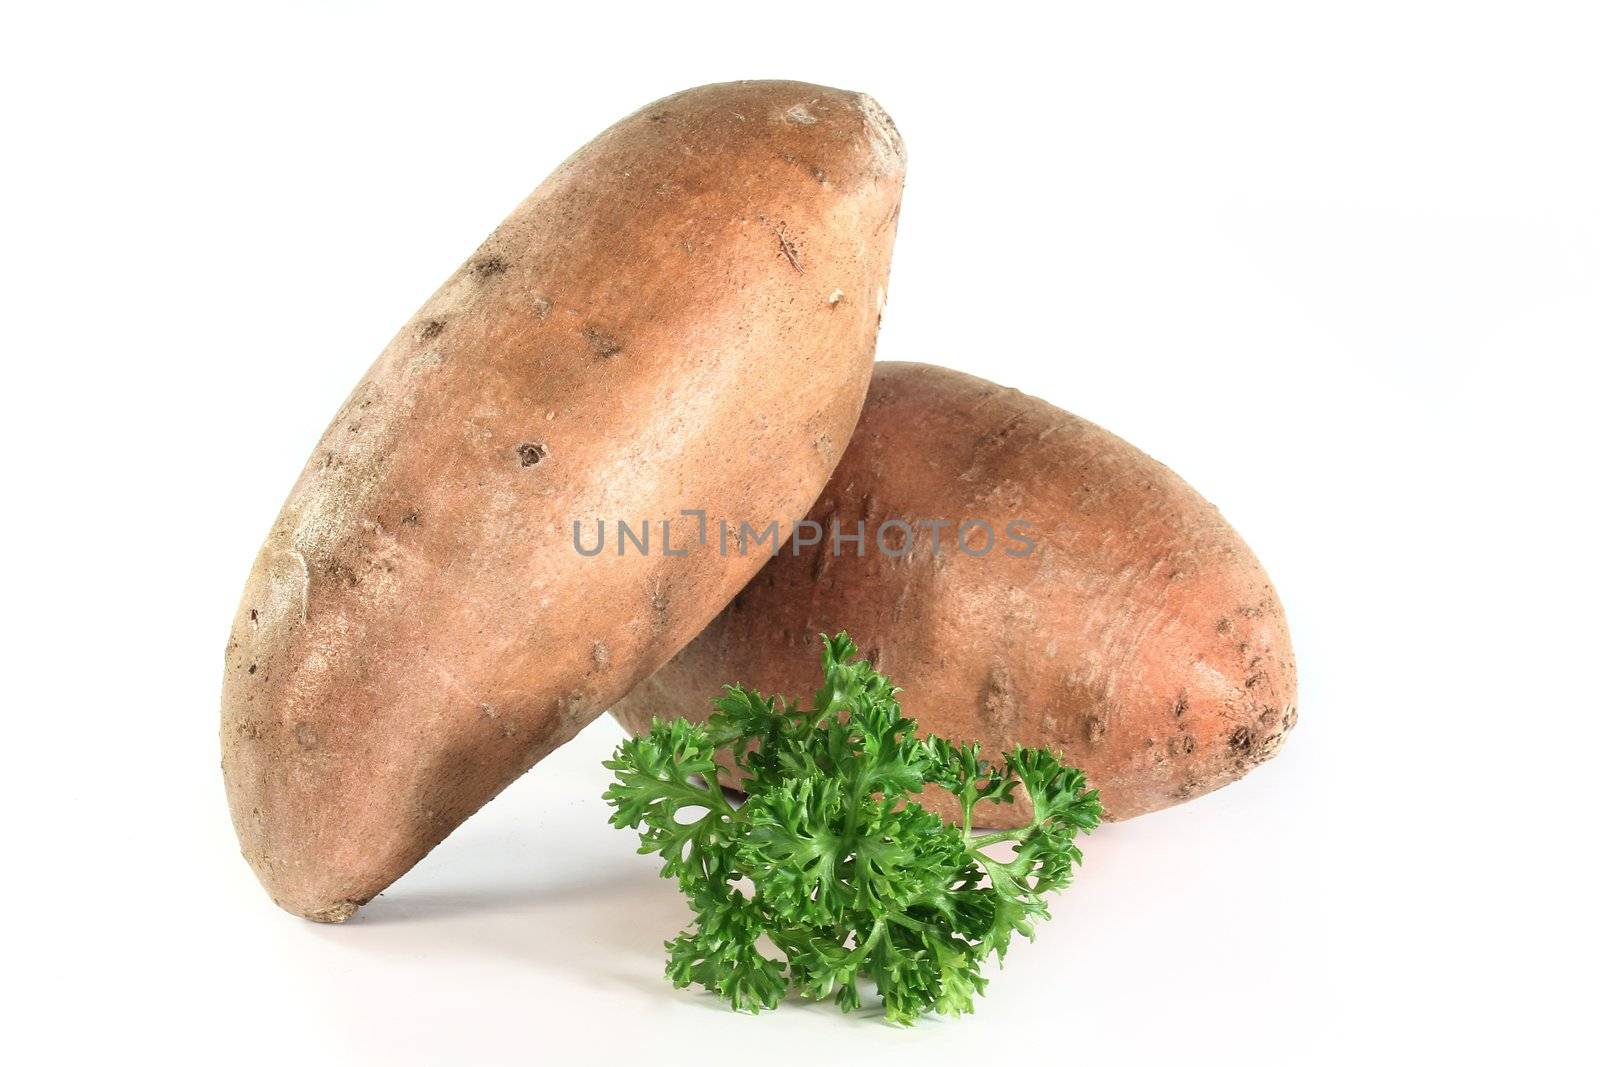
682,316
1140,637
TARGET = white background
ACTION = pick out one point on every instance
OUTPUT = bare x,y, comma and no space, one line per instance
1339,265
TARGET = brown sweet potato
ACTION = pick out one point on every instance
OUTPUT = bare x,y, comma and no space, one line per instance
1139,636
681,317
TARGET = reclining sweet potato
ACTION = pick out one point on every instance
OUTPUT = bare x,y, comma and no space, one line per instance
1138,636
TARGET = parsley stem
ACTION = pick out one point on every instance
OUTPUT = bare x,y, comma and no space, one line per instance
902,919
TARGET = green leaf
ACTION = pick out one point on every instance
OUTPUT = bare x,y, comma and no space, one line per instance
655,793
793,852
847,879
720,954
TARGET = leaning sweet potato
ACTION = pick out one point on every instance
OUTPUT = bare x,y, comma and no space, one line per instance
681,317
1138,635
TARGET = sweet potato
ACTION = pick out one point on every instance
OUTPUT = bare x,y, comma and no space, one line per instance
681,317
1139,636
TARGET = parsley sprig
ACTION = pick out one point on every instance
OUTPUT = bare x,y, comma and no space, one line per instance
827,859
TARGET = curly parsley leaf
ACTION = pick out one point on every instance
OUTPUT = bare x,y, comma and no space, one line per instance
828,860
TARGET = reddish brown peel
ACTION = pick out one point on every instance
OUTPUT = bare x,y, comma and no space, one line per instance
1140,638
655,328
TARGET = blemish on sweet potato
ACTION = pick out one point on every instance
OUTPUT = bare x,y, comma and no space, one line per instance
999,707
531,452
488,267
342,573
604,345
819,569
788,249
335,913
